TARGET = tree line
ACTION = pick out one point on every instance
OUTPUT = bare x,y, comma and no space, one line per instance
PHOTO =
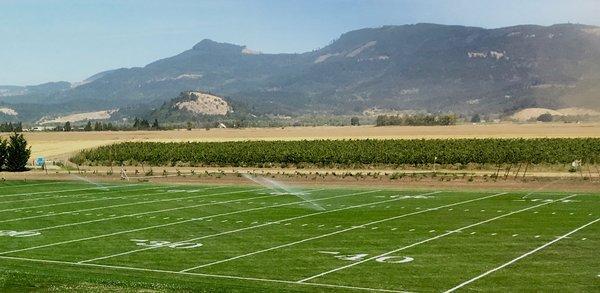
10,127
138,124
14,153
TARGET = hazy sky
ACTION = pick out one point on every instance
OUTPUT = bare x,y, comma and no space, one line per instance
51,40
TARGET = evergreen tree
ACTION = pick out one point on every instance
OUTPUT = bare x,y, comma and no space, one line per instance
67,127
18,153
136,123
98,126
155,125
476,118
3,154
88,126
144,124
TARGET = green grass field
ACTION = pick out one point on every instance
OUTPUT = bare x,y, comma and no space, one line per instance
57,236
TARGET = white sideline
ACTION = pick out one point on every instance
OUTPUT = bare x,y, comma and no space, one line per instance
65,196
177,222
431,239
340,231
199,274
520,257
122,205
85,200
252,227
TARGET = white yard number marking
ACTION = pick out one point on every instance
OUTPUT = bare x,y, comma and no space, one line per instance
18,233
361,256
176,245
395,259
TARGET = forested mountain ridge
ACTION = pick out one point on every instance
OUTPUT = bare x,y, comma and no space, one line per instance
422,67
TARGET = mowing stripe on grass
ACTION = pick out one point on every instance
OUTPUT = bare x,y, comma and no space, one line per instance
197,274
48,196
33,184
126,204
431,239
105,198
85,200
152,212
341,231
132,230
180,222
61,191
521,257
253,227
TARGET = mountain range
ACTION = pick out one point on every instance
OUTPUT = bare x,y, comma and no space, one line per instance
430,67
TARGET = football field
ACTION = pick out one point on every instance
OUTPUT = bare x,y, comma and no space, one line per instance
133,236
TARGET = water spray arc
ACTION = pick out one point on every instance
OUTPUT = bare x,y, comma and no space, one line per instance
280,188
99,185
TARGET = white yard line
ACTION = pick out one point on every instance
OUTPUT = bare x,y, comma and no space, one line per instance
253,227
340,231
430,239
87,200
121,205
177,222
520,257
198,274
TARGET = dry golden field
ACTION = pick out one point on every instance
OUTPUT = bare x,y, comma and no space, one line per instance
59,145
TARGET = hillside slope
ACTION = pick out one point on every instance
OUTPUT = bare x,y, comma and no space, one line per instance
422,66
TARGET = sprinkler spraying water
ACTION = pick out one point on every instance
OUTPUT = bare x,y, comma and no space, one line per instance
99,185
538,190
281,189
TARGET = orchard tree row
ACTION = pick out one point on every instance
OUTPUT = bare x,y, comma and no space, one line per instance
349,152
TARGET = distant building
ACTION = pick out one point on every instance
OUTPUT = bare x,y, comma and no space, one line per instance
41,128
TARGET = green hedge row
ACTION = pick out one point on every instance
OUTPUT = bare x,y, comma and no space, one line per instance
348,152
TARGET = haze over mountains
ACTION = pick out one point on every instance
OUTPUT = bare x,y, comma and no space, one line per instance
429,67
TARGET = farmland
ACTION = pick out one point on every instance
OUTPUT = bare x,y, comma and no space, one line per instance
59,145
349,152
142,236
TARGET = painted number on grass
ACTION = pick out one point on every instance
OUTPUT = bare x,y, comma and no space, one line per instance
18,233
362,256
176,245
